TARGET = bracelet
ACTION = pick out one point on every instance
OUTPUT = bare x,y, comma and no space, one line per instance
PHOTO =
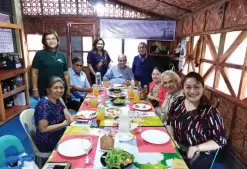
35,89
198,148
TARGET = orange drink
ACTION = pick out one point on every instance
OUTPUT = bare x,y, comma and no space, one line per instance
93,103
137,96
95,91
130,93
106,83
100,113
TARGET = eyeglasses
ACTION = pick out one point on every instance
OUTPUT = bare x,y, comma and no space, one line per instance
78,65
122,60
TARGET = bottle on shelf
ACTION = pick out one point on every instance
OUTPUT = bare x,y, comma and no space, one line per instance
12,84
9,102
19,81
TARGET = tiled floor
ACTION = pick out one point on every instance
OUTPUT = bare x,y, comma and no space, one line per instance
13,127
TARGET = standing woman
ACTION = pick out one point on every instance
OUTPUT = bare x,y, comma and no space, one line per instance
98,59
143,65
196,125
47,63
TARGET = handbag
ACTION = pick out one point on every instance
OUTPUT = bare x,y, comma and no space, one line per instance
22,161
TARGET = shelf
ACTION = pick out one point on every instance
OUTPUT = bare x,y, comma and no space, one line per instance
13,111
13,92
9,25
5,74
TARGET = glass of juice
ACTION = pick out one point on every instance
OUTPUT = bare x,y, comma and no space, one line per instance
100,112
93,102
130,92
96,91
106,83
137,96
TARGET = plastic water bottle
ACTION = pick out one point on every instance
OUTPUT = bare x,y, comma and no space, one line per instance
124,121
98,79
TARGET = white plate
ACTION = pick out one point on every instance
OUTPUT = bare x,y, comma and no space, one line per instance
86,114
87,100
117,85
112,112
155,136
125,136
142,106
74,147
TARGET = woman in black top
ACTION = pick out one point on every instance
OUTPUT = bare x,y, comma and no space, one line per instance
195,124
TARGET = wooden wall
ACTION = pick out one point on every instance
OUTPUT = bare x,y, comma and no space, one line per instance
224,17
227,16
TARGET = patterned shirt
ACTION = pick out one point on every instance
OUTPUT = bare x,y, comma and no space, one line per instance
54,114
118,75
197,126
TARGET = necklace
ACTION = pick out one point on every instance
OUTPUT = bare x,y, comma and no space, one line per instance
53,56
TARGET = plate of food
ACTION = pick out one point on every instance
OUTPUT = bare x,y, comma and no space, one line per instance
115,90
117,95
118,101
112,112
142,106
117,85
86,114
117,159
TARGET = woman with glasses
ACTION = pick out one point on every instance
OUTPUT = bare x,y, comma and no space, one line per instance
98,59
49,62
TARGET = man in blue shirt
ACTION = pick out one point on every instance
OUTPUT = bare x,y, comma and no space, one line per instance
120,74
79,84
143,65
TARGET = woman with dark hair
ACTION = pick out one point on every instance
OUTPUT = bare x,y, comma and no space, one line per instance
196,126
51,117
98,58
143,65
157,93
49,62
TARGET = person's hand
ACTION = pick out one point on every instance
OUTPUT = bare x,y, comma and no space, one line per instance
127,82
68,93
90,90
191,152
153,98
73,118
36,94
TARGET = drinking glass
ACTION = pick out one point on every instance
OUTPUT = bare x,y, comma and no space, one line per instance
96,91
93,102
137,96
130,92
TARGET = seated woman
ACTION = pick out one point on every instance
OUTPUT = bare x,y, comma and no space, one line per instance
157,93
196,125
51,117
172,83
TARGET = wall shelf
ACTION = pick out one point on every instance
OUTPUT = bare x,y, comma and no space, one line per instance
13,92
8,113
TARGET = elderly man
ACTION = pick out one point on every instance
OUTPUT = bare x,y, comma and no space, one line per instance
120,74
79,84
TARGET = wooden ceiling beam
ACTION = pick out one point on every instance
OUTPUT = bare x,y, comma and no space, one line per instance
178,7
153,14
204,7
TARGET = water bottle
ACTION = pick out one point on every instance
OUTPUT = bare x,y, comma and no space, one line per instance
98,79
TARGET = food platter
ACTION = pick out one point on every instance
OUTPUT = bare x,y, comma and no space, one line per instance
112,112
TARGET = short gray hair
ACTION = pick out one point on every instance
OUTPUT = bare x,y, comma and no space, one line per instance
171,74
122,55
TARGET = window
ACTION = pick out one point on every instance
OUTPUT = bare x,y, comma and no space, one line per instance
114,48
131,49
34,43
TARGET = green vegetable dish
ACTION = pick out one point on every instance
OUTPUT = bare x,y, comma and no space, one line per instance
118,158
119,101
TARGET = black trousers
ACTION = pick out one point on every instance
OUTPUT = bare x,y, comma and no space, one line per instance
75,105
204,161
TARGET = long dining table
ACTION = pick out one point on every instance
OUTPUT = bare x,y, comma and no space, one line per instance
146,155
